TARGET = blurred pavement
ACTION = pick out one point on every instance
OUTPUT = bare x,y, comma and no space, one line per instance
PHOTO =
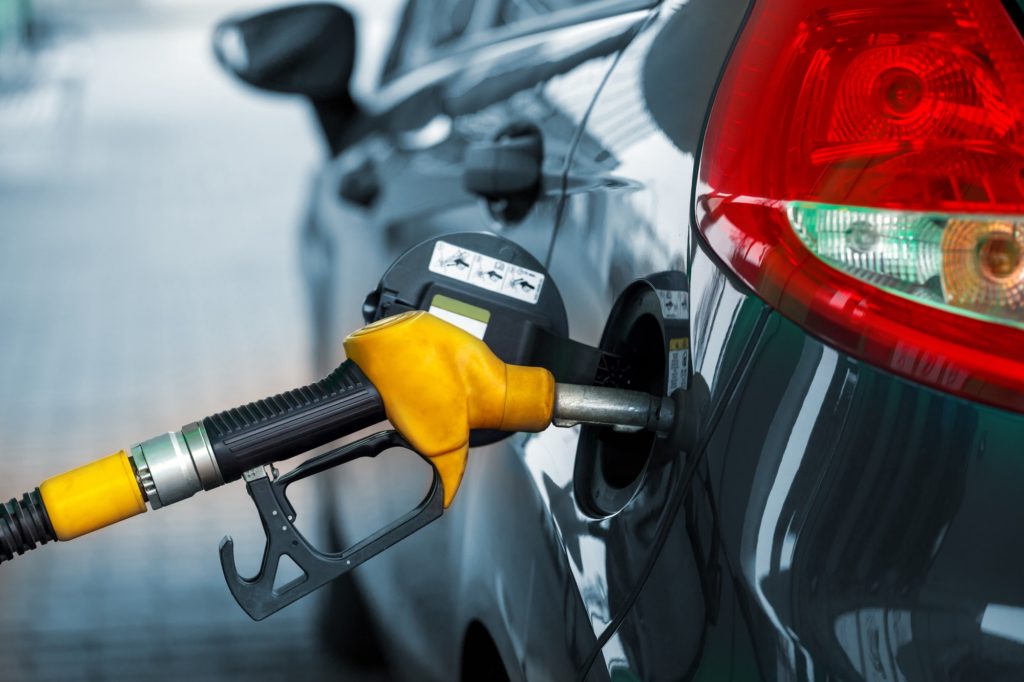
148,277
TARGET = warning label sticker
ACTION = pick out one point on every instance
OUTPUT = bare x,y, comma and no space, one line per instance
678,364
485,272
675,305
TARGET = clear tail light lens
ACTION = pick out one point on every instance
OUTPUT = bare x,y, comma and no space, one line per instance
863,172
972,264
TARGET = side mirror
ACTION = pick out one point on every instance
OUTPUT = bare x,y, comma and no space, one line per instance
306,49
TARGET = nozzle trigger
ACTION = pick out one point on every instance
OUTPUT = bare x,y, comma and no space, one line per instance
257,595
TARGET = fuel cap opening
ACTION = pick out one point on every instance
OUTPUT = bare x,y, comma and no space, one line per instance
647,327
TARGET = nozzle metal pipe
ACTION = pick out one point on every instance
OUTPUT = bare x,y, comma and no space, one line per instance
621,409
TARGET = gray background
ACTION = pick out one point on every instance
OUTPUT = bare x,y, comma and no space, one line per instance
149,276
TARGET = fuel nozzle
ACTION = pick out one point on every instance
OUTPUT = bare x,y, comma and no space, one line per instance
435,383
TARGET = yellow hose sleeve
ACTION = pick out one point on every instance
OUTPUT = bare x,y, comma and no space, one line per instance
92,496
439,382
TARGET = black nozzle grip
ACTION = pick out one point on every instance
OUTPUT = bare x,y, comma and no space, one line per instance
294,422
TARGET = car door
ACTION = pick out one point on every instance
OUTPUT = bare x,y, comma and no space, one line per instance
514,63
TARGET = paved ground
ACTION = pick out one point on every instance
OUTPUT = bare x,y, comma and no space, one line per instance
148,276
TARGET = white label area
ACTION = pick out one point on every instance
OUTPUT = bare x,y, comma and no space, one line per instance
468,324
675,305
678,364
485,272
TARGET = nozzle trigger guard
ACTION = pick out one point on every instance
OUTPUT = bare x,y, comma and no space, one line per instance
257,595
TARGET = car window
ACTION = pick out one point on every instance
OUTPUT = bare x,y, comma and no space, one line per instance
426,27
432,26
451,24
406,47
511,11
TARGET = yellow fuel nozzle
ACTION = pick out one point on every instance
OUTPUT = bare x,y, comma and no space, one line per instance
439,382
434,381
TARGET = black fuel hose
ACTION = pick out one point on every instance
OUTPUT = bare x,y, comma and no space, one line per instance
23,525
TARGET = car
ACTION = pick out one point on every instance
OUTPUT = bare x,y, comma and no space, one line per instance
800,218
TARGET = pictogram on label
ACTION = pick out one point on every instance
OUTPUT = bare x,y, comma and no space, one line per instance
486,272
675,305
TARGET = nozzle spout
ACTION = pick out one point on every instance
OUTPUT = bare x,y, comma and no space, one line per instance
621,409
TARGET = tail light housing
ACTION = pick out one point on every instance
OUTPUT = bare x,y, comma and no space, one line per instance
863,172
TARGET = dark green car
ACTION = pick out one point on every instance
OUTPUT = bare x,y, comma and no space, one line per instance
811,212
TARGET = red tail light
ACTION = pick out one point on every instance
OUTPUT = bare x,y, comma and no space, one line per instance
863,172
